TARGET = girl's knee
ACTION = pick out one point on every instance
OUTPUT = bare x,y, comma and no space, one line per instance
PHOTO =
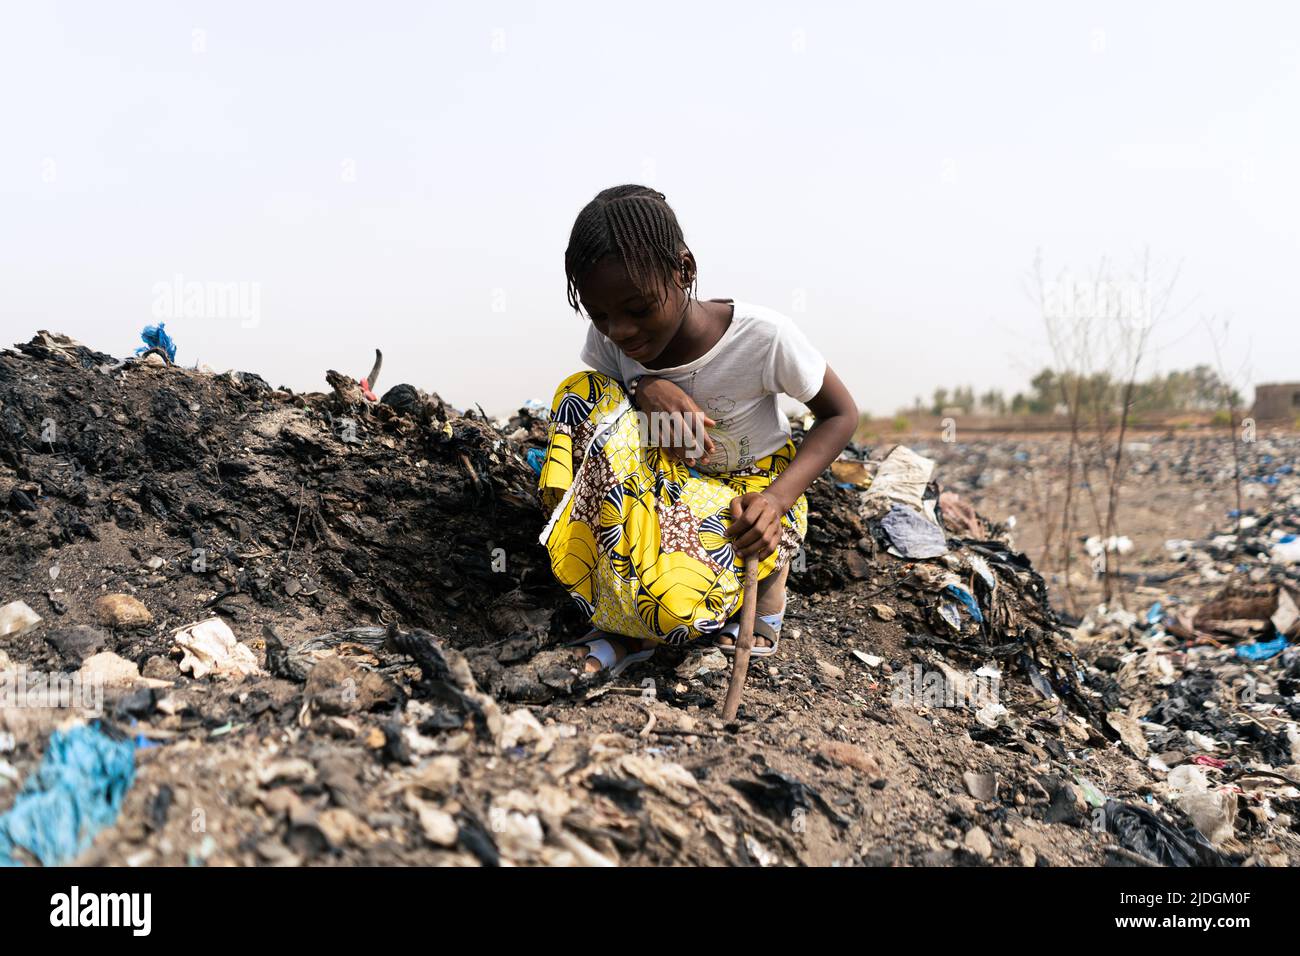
587,385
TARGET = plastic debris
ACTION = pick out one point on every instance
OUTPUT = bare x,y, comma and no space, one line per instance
912,535
156,337
77,791
968,600
210,648
1262,651
1144,833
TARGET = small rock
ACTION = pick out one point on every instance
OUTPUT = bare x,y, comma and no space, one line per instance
884,612
439,827
977,842
17,618
829,669
160,668
438,776
697,665
77,643
982,786
290,770
121,610
106,669
1067,805
342,827
858,566
1130,733
338,688
850,755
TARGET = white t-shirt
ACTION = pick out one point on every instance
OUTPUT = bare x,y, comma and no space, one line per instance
762,355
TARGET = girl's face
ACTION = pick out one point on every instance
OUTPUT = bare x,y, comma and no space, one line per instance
637,322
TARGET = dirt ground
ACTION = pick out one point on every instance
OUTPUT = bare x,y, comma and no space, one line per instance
412,702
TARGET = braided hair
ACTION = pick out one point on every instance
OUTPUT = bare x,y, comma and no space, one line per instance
636,224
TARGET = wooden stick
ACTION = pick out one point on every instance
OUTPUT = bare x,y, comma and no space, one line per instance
744,641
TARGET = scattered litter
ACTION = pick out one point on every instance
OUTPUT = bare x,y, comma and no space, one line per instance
211,648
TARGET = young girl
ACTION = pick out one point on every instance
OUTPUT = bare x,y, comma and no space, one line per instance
651,539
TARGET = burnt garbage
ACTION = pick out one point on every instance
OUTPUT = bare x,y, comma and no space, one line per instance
387,682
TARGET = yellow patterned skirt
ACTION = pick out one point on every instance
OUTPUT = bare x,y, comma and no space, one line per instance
637,538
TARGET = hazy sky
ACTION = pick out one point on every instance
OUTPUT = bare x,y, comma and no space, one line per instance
404,175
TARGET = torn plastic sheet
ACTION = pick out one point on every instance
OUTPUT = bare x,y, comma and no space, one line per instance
1141,831
156,337
912,535
1262,650
77,791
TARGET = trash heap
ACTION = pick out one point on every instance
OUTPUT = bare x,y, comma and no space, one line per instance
1207,692
973,598
255,627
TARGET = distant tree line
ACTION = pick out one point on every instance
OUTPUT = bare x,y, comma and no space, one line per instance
1198,390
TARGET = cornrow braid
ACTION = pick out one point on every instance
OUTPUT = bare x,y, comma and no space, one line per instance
636,224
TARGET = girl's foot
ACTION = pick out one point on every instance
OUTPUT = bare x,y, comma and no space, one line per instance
767,633
727,639
622,645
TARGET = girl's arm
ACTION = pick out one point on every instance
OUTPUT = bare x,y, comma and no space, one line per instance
757,528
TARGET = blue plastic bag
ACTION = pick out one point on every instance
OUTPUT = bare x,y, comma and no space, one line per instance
78,791
536,458
156,337
1262,651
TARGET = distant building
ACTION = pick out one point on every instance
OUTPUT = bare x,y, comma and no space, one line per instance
1277,401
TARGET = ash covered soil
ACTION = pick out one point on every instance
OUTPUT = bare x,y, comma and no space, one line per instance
410,700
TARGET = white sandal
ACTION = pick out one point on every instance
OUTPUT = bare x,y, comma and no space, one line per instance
762,628
604,652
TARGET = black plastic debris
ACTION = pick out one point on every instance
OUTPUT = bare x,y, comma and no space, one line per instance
780,796
474,837
1141,831
624,792
402,398
278,660
159,807
439,679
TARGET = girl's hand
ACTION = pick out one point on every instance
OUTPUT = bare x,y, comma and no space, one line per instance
755,525
676,422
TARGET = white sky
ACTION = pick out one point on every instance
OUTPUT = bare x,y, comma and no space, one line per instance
404,175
